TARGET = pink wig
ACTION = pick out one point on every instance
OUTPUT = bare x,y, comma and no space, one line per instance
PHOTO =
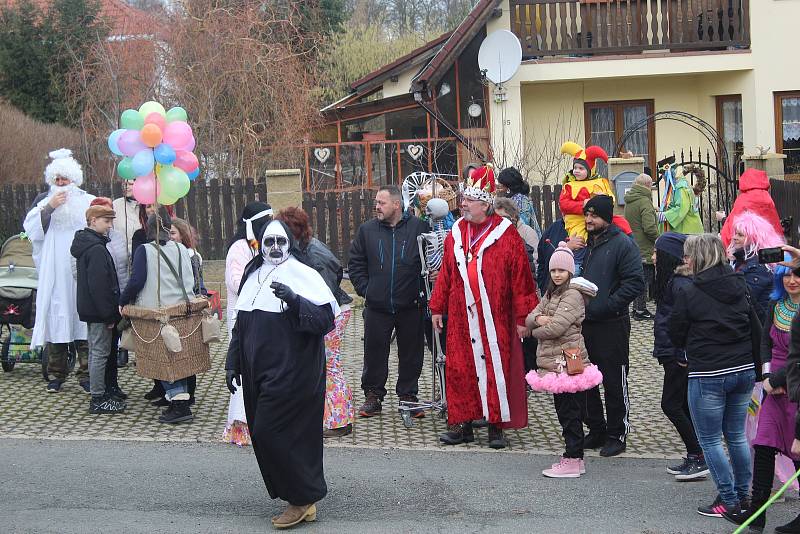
758,234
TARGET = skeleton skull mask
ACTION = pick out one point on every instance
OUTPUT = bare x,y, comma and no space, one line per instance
275,244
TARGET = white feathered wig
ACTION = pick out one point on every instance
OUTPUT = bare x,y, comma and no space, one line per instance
63,164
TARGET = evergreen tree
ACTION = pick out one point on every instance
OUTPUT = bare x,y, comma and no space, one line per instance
38,51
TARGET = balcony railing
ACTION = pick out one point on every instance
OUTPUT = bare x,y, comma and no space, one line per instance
611,27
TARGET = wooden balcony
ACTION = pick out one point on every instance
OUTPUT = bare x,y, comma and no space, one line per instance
615,27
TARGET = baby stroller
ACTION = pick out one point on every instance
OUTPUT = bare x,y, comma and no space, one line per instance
18,283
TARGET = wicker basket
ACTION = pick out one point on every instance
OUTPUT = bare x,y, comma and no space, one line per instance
443,190
153,360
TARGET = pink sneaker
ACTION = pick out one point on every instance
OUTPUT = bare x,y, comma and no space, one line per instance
566,468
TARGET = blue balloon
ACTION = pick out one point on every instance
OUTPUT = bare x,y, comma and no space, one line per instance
194,174
164,154
143,162
113,139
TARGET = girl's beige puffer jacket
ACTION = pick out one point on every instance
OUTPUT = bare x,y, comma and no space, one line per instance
566,311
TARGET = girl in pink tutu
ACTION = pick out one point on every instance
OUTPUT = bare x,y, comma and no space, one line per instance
556,323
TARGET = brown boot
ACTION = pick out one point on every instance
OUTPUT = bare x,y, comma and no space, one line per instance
337,432
294,515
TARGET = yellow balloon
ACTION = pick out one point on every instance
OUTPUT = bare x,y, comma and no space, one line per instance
152,107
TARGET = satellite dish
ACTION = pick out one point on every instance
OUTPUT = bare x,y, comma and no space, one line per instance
500,56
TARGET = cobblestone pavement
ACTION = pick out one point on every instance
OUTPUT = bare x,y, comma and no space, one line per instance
27,410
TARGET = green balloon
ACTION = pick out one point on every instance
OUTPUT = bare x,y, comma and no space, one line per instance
125,169
174,182
151,107
131,120
165,200
177,114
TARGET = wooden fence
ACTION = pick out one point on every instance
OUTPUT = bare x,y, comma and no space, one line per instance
213,209
336,216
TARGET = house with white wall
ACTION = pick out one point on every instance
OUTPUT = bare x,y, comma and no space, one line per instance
592,71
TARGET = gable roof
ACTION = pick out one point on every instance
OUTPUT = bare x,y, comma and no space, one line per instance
458,41
415,57
435,58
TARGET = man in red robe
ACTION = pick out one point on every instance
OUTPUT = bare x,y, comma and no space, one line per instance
486,290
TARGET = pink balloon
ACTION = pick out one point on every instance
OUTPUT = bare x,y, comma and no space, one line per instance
157,119
129,143
178,134
190,146
146,189
186,161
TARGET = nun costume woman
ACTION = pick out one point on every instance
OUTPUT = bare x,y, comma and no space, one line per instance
277,356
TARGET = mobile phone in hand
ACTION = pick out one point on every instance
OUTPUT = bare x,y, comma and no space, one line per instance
770,255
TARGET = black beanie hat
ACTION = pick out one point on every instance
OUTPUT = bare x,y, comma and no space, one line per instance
672,244
602,206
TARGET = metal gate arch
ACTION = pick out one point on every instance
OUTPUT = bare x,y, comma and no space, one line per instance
726,185
693,121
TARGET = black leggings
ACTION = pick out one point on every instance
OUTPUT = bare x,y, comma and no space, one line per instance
764,472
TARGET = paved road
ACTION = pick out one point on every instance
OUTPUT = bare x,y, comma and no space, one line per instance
89,486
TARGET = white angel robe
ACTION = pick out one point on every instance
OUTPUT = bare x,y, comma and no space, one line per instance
56,296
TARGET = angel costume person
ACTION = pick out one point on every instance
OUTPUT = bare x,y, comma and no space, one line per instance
277,355
51,226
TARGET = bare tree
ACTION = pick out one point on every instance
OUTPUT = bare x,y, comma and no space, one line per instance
117,74
245,74
536,150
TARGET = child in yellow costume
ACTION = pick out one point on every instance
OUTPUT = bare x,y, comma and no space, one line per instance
581,184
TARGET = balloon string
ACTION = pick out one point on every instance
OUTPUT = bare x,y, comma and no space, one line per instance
767,504
158,252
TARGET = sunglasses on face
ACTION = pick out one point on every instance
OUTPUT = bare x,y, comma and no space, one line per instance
269,242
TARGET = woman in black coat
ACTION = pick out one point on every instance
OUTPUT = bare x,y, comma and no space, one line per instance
711,320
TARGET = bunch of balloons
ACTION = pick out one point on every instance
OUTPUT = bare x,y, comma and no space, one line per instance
157,147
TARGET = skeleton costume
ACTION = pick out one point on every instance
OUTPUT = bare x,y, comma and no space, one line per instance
437,212
284,310
51,232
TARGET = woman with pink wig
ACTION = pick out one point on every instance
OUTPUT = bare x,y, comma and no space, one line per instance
752,232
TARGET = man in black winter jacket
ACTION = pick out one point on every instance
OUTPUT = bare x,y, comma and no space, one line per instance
98,302
385,269
614,264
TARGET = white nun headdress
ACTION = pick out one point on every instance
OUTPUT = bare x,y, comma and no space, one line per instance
302,279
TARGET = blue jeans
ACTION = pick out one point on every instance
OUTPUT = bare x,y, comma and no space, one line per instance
171,389
718,406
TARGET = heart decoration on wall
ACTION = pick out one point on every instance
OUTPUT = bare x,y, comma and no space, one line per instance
322,154
415,151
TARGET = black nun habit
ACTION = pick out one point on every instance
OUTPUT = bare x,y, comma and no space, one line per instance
284,310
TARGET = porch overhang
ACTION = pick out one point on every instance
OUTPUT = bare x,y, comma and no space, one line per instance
635,65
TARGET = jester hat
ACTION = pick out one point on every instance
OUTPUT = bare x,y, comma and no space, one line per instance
585,157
